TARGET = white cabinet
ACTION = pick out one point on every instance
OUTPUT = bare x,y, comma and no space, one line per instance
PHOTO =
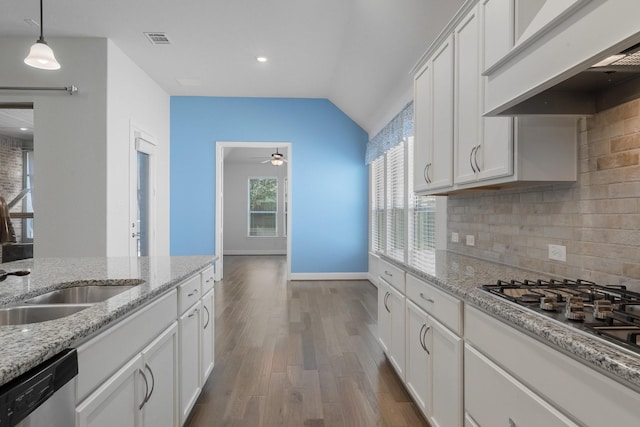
433,121
141,393
189,360
391,324
418,366
207,337
434,355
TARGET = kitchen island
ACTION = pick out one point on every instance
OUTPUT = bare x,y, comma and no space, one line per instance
23,347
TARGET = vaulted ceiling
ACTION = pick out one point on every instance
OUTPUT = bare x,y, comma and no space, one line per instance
356,53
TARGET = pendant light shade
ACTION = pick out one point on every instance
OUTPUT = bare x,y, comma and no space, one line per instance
41,56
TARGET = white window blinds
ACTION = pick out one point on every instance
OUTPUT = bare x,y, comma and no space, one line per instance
377,205
396,202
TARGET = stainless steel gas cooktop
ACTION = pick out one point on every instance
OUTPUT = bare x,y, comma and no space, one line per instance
610,312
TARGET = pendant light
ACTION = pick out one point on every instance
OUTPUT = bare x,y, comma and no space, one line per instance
41,56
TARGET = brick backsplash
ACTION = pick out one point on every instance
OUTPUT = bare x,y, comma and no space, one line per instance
11,175
597,218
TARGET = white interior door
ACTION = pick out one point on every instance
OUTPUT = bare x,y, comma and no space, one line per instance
143,195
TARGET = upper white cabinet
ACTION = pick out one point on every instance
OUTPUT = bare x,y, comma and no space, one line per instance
433,121
487,152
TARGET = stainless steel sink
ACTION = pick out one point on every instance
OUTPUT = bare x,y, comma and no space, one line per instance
89,294
23,314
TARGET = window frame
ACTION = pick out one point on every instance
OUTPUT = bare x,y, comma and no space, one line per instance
275,213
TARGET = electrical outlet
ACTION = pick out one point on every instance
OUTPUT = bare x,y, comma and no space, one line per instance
471,241
455,238
558,253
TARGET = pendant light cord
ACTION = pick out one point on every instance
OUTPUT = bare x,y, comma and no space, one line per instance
41,23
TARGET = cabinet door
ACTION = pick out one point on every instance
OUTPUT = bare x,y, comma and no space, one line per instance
161,370
494,157
417,369
422,128
384,316
207,331
396,304
441,172
446,372
117,401
467,99
189,360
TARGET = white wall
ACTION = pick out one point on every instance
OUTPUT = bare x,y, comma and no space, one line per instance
133,98
236,196
81,173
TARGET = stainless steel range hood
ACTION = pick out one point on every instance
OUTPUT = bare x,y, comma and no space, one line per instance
613,81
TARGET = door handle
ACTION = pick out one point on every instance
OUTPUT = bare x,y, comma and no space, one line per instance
471,158
422,344
386,297
424,340
146,392
208,317
153,382
475,158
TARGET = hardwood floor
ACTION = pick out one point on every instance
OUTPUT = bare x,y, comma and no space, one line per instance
298,354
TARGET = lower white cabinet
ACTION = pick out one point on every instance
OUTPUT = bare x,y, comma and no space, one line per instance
495,398
189,360
142,393
418,366
391,324
207,337
434,368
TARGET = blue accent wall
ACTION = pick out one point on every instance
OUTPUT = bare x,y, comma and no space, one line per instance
329,212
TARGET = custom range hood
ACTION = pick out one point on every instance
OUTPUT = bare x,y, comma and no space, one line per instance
577,57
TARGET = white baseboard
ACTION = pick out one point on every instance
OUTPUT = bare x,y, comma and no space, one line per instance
255,252
329,276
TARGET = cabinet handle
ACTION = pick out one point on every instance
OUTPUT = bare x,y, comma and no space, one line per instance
146,392
475,158
387,295
208,316
195,291
425,298
512,423
425,173
422,344
192,314
424,340
208,280
471,158
388,273
153,382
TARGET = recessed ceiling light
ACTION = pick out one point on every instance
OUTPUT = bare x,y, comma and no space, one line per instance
261,58
24,129
189,82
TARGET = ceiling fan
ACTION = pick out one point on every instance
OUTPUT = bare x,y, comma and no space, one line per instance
276,159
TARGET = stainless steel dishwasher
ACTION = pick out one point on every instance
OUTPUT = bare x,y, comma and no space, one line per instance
43,396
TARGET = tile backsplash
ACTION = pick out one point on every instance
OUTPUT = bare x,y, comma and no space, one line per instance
597,218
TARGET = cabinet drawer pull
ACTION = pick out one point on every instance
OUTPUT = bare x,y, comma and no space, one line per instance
425,298
475,158
471,159
387,273
195,291
192,314
424,340
208,317
146,392
153,381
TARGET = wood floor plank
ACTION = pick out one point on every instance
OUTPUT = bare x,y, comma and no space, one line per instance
300,354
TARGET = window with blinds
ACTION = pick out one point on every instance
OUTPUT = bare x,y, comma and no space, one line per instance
377,206
422,224
395,202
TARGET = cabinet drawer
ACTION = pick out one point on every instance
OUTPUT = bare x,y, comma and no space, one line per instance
442,306
523,356
392,275
103,355
495,398
189,293
207,280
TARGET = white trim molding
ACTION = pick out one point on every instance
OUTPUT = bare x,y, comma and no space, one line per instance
329,276
254,252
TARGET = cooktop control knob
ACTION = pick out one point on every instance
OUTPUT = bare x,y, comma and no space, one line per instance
602,309
548,303
574,309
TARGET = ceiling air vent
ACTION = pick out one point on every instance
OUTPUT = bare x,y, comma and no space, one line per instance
157,38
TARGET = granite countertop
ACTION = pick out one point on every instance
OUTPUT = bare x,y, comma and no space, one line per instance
23,347
461,275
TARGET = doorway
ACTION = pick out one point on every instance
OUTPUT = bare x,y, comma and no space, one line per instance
246,164
142,183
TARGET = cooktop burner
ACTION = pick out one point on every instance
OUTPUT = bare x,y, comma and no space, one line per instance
611,312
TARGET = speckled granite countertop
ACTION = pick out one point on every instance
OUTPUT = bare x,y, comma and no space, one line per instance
24,346
461,275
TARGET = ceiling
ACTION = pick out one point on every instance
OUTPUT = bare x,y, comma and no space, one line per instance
356,53
252,154
16,123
